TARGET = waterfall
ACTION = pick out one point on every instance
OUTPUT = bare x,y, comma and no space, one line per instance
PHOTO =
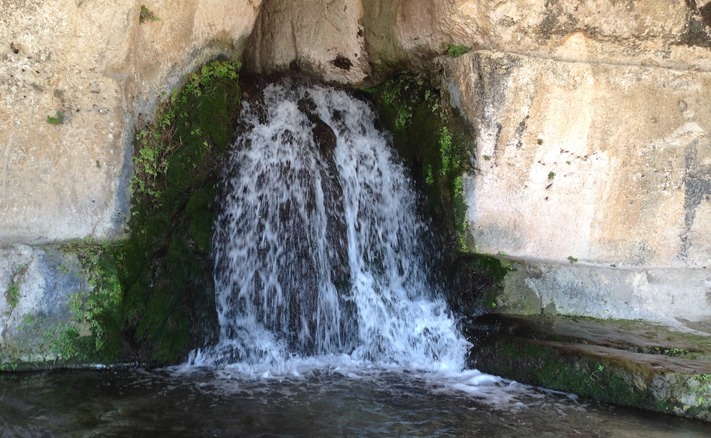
319,250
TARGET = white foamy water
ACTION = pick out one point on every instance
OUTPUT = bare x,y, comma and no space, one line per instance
320,253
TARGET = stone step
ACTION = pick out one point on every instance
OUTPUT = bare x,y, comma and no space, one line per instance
630,363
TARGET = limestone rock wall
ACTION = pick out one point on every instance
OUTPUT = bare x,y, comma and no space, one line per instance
94,61
322,38
36,289
665,33
348,41
596,177
609,164
105,69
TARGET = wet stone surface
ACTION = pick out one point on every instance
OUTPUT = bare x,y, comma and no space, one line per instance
631,363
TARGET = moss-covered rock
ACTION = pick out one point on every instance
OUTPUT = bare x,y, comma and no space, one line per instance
630,363
37,302
165,265
149,297
432,139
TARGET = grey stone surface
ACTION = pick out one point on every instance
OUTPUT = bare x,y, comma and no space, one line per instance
37,285
676,297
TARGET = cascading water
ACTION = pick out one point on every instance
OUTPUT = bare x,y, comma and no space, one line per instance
319,250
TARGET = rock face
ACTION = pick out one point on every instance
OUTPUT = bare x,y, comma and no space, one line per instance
609,164
95,70
35,304
630,363
98,65
603,165
347,41
323,38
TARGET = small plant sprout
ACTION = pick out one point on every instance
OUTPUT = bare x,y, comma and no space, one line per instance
12,295
551,175
457,50
429,177
147,16
57,119
572,259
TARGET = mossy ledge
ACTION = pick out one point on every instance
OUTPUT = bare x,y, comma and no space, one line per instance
149,298
630,363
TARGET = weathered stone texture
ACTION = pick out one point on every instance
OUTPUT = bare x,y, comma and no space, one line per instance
608,164
323,38
93,61
658,33
673,296
36,287
601,165
631,363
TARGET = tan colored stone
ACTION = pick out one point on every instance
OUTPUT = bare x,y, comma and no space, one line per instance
598,162
656,33
323,38
596,178
677,297
93,61
310,36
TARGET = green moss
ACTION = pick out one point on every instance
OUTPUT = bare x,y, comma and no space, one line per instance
12,295
540,364
597,358
433,141
436,144
57,119
96,309
457,50
147,16
494,269
166,265
151,295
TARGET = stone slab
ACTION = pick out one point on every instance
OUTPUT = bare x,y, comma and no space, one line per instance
672,296
36,289
629,363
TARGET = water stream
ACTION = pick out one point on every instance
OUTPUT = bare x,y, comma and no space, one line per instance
319,248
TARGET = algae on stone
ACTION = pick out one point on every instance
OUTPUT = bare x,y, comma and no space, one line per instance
630,363
149,297
433,140
166,269
436,143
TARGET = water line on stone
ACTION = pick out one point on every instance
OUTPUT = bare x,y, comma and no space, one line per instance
318,247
